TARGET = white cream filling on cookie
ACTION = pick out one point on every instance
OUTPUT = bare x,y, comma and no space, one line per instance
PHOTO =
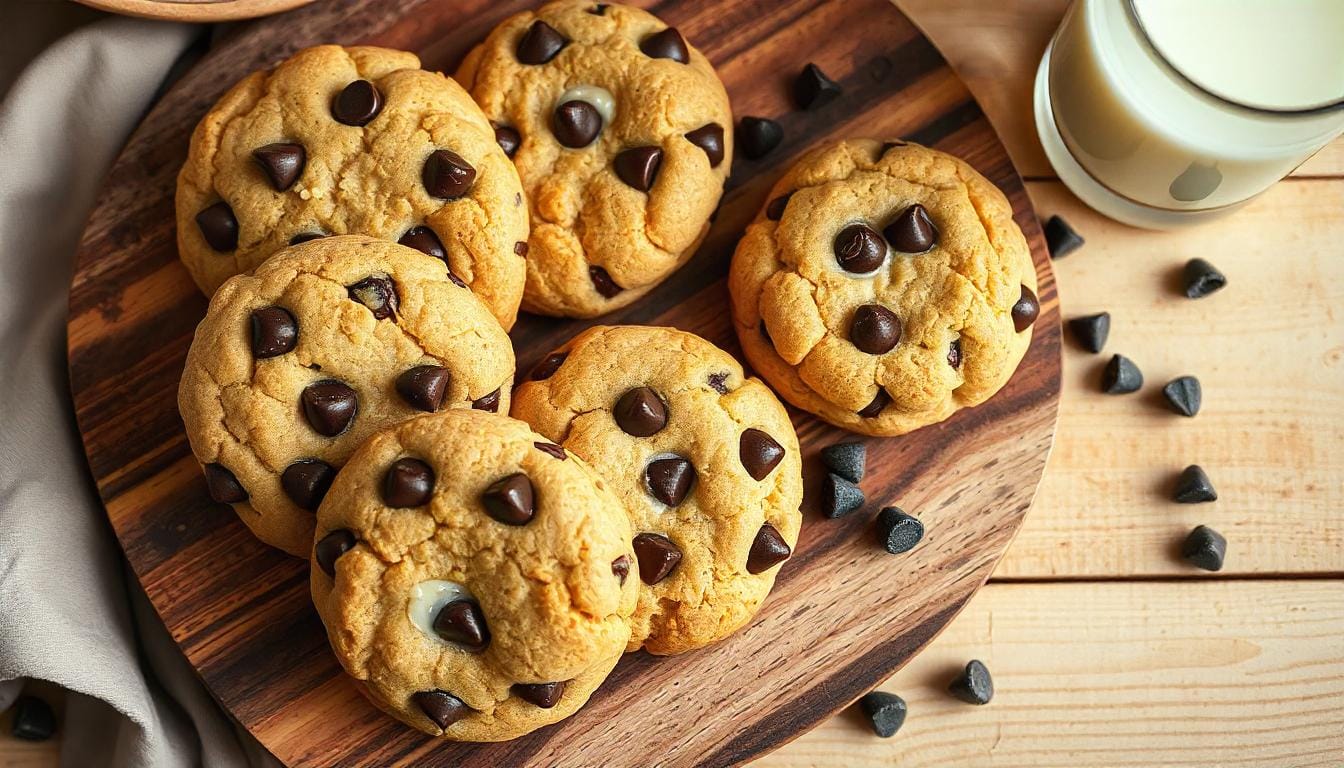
600,98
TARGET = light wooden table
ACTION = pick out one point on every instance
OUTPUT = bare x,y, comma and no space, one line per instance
1106,649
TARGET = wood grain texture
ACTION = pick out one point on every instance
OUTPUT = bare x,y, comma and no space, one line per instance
828,633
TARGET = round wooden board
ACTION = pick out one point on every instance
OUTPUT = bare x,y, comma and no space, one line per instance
844,614
195,10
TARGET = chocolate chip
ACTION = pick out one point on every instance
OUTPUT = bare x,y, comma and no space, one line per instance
1025,310
378,293
540,43
668,44
898,532
1060,238
447,175
510,500
1091,330
304,237
544,695
576,124
640,412
620,567
222,485
598,10
218,226
34,719
885,712
424,240
455,280
1184,395
638,167
874,409
603,282
658,557
462,622
520,249
760,453
954,353
912,231
670,479
768,550
552,449
875,329
274,332
508,139
717,382
408,483
548,366
839,496
859,249
709,137
1193,486
973,685
758,136
282,163
813,89
488,403
423,387
331,547
1201,278
775,210
1121,376
357,104
306,481
848,460
1205,548
440,706
330,406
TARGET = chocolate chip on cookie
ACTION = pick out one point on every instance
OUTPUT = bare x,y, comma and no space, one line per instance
508,139
603,283
306,481
1025,310
859,249
576,124
640,412
912,231
462,622
709,137
218,226
282,162
670,479
813,89
357,103
424,240
378,293
658,557
620,567
408,483
775,210
668,44
329,406
875,329
638,167
222,485
447,175
442,707
540,44
874,409
424,387
760,453
488,403
544,695
548,366
330,547
274,332
551,449
510,500
767,550
759,136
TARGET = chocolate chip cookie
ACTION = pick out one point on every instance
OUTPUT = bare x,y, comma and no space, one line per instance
473,577
328,341
622,134
883,286
358,140
705,460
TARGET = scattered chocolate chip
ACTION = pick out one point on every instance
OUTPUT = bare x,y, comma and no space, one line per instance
912,231
520,249
1194,486
331,547
329,406
282,162
813,89
357,104
1091,330
1184,395
709,137
638,167
423,387
33,719
306,481
954,353
408,483
621,567
839,496
717,382
767,550
447,175
602,282
598,10
440,706
274,332
304,237
552,449
540,43
222,485
1026,310
508,140
874,329
670,479
378,293
488,403
657,556
885,712
218,226
1201,278
759,136
759,452
544,695
859,249
640,412
775,210
1060,238
848,460
668,44
576,124
874,409
1205,548
548,366
1121,376
424,240
898,532
462,622
510,500
973,685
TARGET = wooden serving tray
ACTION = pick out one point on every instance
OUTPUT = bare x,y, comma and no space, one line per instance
844,614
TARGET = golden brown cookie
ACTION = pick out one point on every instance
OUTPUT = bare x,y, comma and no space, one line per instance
472,576
359,140
327,342
622,134
884,286
705,460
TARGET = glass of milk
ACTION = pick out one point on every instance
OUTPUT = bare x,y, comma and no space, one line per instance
1160,113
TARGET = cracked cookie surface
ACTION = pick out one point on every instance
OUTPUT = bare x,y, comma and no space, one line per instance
327,342
704,459
883,286
618,200
338,141
463,610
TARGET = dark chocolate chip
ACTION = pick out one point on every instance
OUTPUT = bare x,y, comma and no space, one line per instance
718,382
912,231
620,567
859,249
1121,376
329,406
306,481
638,167
508,139
540,43
218,226
885,712
760,453
973,685
424,387
510,500
1184,395
1091,330
408,483
848,460
222,485
668,44
669,480
602,282
488,403
520,249
1193,486
874,329
552,449
462,622
813,89
34,719
898,532
378,293
1060,238
576,124
282,162
598,10
544,695
874,409
331,547
440,706
1201,278
1025,310
758,136
1205,548
304,237
839,496
775,210
548,366
274,332
357,104
658,557
424,240
709,137
954,353
640,412
447,175
767,550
